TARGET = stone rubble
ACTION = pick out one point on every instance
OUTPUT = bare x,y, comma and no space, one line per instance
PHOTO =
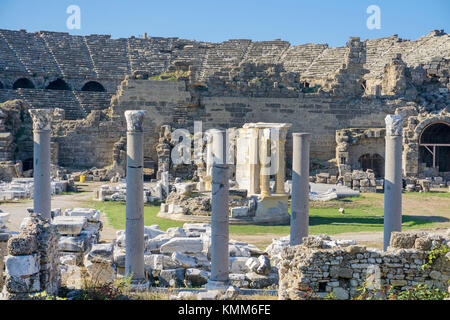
337,267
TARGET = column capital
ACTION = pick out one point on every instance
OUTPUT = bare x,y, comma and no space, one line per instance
41,118
394,125
134,119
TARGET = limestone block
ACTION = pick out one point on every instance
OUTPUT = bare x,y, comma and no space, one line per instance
89,214
154,245
184,260
197,277
364,182
153,231
101,253
176,232
172,278
252,264
340,293
257,281
73,244
183,245
264,267
199,227
238,251
22,265
239,212
69,225
238,265
119,257
22,284
22,244
402,240
68,259
100,272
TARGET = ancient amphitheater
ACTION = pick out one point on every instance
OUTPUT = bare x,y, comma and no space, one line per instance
341,95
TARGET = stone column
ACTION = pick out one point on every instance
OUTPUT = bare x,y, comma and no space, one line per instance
41,161
134,228
265,144
281,172
393,177
300,187
219,217
253,158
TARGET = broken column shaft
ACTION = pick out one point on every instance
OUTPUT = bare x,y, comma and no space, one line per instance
393,177
300,188
41,161
134,228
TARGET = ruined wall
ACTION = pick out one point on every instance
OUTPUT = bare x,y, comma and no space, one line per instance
321,266
32,263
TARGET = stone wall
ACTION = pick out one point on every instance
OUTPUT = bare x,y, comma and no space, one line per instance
325,266
32,263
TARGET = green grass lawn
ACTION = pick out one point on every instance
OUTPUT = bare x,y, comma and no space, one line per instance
362,213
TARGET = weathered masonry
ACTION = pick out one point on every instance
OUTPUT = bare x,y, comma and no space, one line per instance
340,95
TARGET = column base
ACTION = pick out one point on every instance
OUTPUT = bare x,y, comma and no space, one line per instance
221,286
139,285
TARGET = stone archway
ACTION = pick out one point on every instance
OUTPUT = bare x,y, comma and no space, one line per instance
58,84
93,86
23,83
434,146
374,162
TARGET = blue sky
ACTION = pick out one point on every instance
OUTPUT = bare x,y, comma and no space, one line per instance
296,21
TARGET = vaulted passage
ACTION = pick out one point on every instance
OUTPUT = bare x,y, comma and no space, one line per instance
434,148
23,83
374,162
58,84
93,86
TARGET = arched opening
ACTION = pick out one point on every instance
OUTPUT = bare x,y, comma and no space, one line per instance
23,83
374,162
58,84
27,164
93,86
434,146
1,85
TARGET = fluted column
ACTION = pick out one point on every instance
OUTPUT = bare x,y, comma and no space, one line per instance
300,187
281,162
41,161
134,227
393,177
265,145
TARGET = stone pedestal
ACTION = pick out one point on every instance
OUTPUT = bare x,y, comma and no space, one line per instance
300,188
220,216
393,178
134,228
41,161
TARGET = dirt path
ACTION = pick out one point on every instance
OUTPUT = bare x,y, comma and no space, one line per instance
18,210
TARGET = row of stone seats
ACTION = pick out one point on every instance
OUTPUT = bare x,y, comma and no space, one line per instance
330,60
299,58
109,57
152,55
266,51
93,100
8,59
71,54
32,52
222,56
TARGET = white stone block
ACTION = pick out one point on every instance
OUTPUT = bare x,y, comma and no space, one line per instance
22,265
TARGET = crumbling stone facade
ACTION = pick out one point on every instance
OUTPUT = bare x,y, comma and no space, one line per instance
32,263
221,84
323,266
